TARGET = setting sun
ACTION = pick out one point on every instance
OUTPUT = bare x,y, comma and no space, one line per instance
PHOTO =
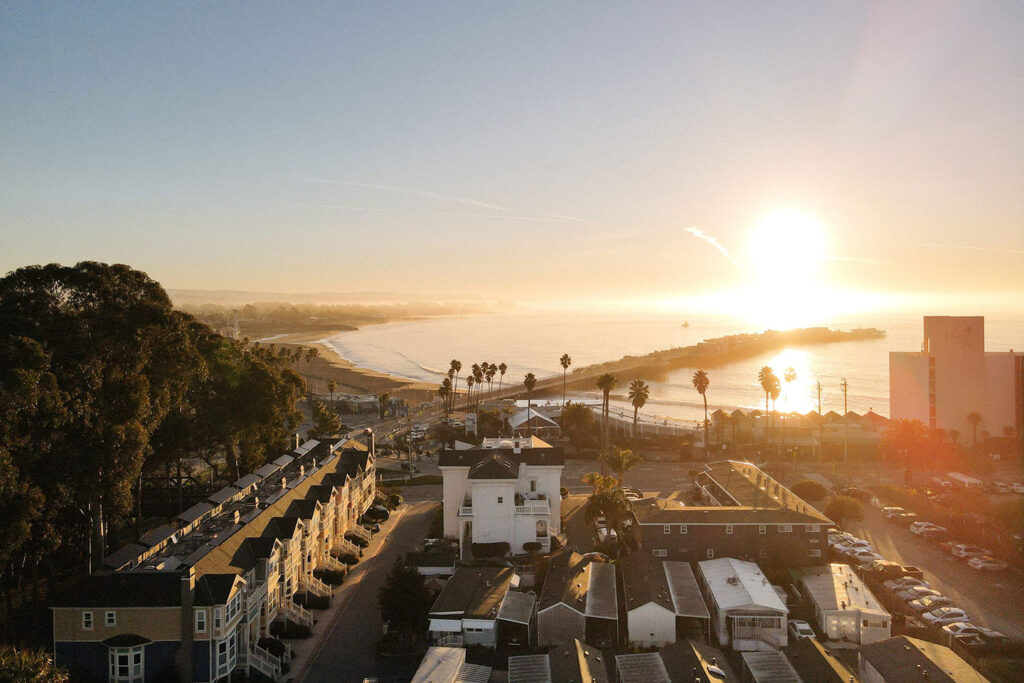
787,246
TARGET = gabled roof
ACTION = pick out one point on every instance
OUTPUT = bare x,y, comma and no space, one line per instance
535,419
474,593
815,663
543,456
127,589
686,597
282,527
304,508
573,661
517,607
903,658
157,536
682,657
495,467
735,583
561,582
602,594
217,589
644,581
770,667
641,668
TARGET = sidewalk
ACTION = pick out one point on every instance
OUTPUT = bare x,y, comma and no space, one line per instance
306,649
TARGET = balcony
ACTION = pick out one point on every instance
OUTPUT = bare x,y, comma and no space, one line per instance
533,507
466,511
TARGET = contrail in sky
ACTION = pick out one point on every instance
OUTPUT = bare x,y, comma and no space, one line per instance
412,191
963,246
701,235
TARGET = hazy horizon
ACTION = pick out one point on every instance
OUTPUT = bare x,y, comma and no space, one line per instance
781,162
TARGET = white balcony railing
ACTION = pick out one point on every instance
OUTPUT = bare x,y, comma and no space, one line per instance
298,614
533,507
264,662
466,511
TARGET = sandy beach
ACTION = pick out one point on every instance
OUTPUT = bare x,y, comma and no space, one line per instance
350,378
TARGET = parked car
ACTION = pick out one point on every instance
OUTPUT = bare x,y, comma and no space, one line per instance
906,519
987,563
630,496
849,546
915,593
934,534
799,629
963,628
892,511
904,582
863,557
884,569
941,616
917,527
966,551
929,602
409,467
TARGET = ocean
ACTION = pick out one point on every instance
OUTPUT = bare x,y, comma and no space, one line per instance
534,340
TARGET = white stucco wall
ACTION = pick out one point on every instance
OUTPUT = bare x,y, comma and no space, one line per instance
454,485
651,625
493,521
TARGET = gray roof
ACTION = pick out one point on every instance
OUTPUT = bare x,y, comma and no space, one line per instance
531,456
123,556
247,481
771,667
601,598
899,659
473,673
641,668
157,536
267,470
683,656
644,581
497,466
577,661
223,496
284,461
517,607
529,669
195,512
474,592
686,597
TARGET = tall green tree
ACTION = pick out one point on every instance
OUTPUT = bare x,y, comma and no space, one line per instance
639,392
332,386
27,666
844,509
701,382
405,603
577,423
445,393
565,361
325,422
622,462
974,419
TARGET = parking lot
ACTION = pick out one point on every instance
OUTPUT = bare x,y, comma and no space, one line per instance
992,599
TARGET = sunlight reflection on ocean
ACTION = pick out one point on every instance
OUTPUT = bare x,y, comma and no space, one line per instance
533,341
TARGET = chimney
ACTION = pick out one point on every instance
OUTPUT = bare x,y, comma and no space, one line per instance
370,442
284,483
295,441
237,517
302,470
313,466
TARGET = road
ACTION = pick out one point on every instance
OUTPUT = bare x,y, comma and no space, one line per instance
348,650
661,479
995,600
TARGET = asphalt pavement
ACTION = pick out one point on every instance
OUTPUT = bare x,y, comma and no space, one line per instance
991,599
347,649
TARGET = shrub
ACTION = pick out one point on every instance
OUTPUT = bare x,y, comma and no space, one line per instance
394,500
348,558
809,490
500,549
330,577
531,546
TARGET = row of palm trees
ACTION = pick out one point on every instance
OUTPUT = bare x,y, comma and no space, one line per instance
479,373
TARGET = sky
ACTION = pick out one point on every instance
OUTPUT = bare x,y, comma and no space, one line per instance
846,153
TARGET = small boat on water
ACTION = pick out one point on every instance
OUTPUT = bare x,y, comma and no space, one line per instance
686,323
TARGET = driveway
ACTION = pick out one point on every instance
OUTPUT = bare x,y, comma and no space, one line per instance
992,599
348,649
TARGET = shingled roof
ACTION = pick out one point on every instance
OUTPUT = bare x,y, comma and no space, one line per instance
531,456
134,589
495,467
474,592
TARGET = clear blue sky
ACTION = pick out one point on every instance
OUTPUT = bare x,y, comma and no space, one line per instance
508,149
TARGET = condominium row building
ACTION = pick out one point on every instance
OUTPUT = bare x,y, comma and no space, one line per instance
193,599
740,512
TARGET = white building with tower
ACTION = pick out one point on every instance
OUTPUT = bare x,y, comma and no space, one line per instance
509,493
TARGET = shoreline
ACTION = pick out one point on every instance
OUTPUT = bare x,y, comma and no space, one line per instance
350,378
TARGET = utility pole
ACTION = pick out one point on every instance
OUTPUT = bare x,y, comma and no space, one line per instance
846,422
821,438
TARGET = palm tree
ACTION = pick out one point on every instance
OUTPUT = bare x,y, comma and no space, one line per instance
456,367
765,376
332,386
701,382
478,376
639,392
530,381
605,383
566,361
611,504
621,462
789,376
600,482
502,369
491,370
974,419
470,381
311,353
451,394
445,392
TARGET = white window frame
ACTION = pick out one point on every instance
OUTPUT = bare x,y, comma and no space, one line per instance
728,529
218,620
813,528
762,528
815,552
87,621
762,554
660,552
785,528
666,529
200,621
110,618
135,668
711,553
682,529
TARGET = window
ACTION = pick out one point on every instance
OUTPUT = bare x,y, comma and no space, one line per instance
500,500
813,540
728,528
762,528
815,552
660,552
533,485
762,553
682,528
226,654
110,618
201,621
868,623
667,528
126,664
812,528
87,621
216,618
785,528
711,553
